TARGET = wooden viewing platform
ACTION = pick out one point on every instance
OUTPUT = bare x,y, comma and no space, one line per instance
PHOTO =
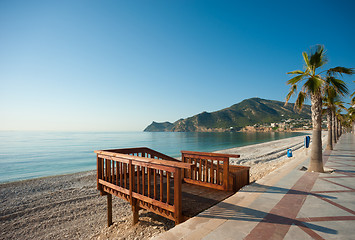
164,185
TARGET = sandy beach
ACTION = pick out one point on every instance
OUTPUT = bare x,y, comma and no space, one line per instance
70,207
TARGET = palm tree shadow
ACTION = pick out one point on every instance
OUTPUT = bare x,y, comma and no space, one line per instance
229,211
256,187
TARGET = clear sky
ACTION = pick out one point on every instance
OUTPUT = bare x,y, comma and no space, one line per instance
119,65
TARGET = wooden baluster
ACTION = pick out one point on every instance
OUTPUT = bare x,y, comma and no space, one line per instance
121,173
113,171
212,172
138,177
218,177
205,176
132,172
161,185
189,171
107,170
167,187
110,171
117,172
226,173
149,174
155,183
125,175
200,170
143,181
102,169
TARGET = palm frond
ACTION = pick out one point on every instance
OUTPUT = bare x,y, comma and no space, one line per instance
292,91
340,105
300,100
296,72
338,85
340,71
295,80
329,94
317,56
306,60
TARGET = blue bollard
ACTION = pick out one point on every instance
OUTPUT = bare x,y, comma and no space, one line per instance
307,140
289,153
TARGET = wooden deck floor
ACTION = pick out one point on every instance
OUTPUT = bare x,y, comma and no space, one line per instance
196,199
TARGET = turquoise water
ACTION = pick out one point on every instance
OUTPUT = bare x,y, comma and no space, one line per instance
26,155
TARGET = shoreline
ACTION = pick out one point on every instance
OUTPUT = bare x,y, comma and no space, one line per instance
69,206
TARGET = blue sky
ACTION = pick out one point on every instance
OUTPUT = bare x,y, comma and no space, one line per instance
119,65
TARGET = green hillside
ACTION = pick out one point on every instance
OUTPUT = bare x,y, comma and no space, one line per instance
159,127
248,112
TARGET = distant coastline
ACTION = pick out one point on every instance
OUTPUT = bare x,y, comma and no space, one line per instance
250,115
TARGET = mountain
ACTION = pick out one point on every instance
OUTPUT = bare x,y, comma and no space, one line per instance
159,127
248,112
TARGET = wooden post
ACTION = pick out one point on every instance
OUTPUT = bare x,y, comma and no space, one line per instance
133,202
177,196
226,174
98,173
109,210
135,210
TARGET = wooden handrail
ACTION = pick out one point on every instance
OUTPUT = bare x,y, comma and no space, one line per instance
143,150
178,164
211,154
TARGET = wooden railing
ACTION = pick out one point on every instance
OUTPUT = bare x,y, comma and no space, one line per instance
152,180
213,170
145,178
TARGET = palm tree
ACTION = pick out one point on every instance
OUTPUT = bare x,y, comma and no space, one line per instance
328,102
339,105
313,88
351,116
352,96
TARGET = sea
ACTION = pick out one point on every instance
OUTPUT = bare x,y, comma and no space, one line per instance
27,155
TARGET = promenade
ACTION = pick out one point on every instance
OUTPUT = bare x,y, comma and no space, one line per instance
287,204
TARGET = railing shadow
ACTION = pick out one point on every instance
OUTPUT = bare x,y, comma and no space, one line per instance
345,171
229,211
342,155
256,187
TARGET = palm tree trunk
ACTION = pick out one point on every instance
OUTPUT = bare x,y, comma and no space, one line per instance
340,129
334,128
330,129
316,162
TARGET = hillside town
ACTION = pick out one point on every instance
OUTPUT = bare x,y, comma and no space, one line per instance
284,125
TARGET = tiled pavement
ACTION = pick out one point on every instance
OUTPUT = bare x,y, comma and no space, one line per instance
287,204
